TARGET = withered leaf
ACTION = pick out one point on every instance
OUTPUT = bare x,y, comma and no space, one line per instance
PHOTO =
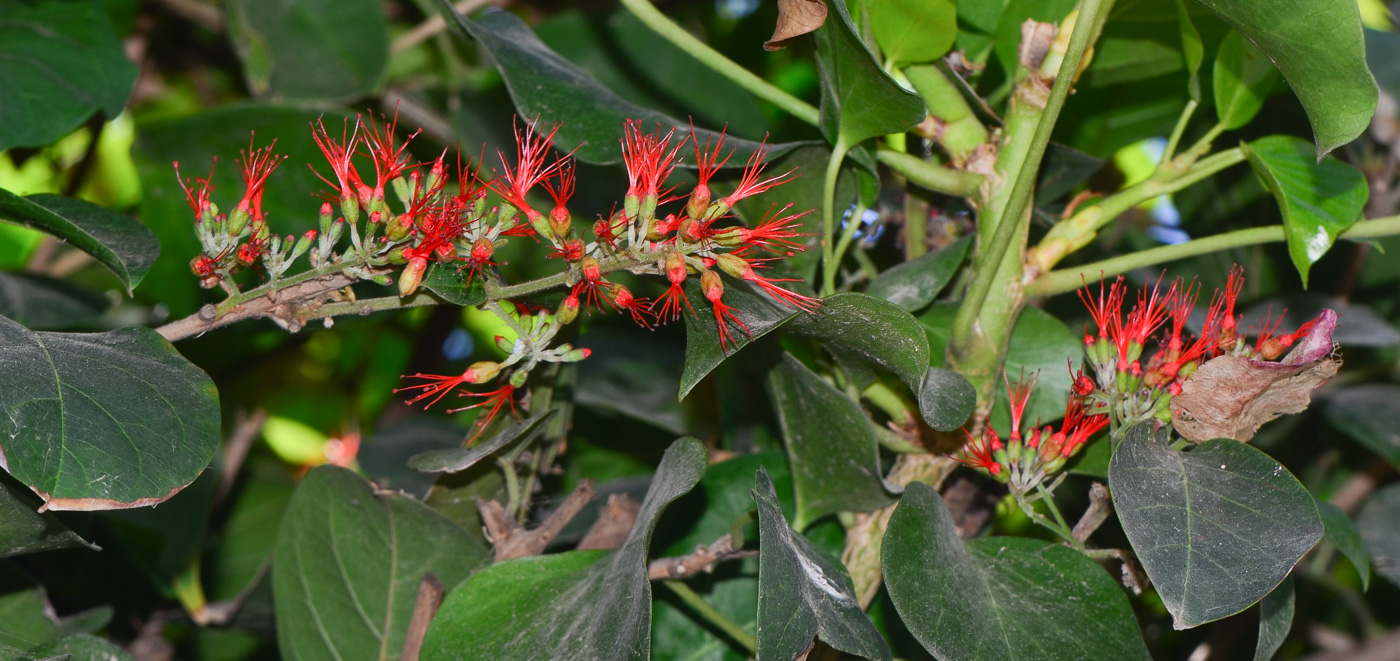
1231,396
795,18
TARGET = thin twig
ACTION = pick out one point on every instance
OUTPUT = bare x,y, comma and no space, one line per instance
613,525
285,306
435,24
703,559
430,593
1100,507
512,541
237,449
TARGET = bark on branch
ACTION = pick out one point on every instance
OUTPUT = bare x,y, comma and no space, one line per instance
510,540
287,307
703,559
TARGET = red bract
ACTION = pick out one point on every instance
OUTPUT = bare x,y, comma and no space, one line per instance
530,150
389,161
749,183
339,155
198,198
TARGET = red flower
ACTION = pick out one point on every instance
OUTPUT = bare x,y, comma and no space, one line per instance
671,300
1076,428
496,399
649,160
713,289
749,183
389,161
530,150
775,232
559,217
742,269
339,155
1018,398
1106,309
978,454
622,299
592,285
1222,310
437,386
255,166
707,161
198,198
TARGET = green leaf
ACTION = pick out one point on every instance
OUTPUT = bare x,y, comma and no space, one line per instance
913,31
857,325
1192,50
24,608
1317,199
574,605
635,373
1002,597
310,49
555,90
81,646
248,535
1275,619
348,562
1341,532
450,284
1216,527
1379,523
1039,343
24,530
120,243
946,399
831,445
703,351
62,63
453,460
721,499
803,592
1318,47
914,284
103,420
1370,415
859,100
43,303
1243,79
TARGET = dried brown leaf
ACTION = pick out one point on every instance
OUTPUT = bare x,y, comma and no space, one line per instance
795,18
1231,396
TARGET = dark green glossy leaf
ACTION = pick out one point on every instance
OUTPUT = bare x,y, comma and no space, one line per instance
310,49
451,285
348,563
24,530
831,445
1216,527
850,324
575,605
194,141
1192,50
859,100
914,284
1370,415
946,399
1318,47
63,62
1341,532
42,303
721,500
164,542
555,90
912,31
1317,199
703,350
453,460
1275,619
1039,343
803,593
384,455
103,420
81,646
120,243
1002,597
636,373
1379,523
1243,79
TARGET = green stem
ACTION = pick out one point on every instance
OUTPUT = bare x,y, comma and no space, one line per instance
513,502
961,132
1067,280
654,19
928,175
1180,128
1064,526
847,235
711,615
833,171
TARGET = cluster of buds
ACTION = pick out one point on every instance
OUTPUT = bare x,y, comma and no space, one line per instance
1024,460
1126,388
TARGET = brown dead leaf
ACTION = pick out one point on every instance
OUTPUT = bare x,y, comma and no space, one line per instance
1231,396
795,18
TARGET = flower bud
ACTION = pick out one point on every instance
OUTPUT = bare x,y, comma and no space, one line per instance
575,355
543,227
350,209
506,346
202,266
517,378
238,220
734,265
303,244
396,256
568,310
412,276
399,228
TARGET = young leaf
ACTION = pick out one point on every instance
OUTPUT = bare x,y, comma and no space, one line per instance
1275,619
347,565
859,100
575,605
914,284
62,63
1338,529
310,49
555,90
913,31
24,608
1318,199
1192,50
103,420
120,243
1370,415
1318,47
1216,527
1002,597
831,445
803,592
1243,78
1379,523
